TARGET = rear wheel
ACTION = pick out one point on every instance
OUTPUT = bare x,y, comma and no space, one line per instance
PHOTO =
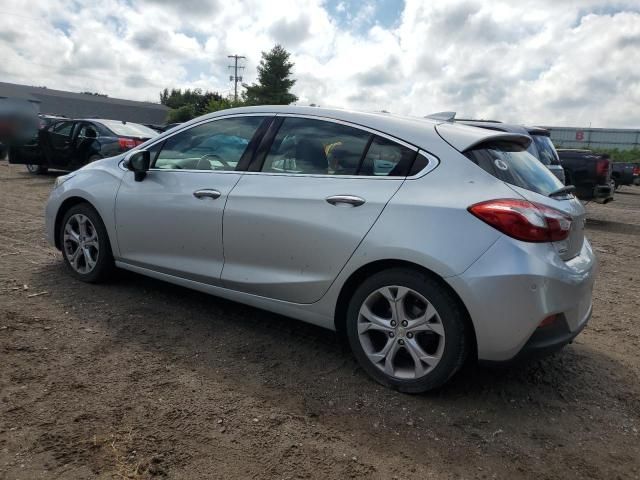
406,330
36,169
85,244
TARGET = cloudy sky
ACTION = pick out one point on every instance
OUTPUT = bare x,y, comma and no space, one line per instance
554,62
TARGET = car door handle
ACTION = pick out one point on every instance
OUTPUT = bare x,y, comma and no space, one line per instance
345,199
207,193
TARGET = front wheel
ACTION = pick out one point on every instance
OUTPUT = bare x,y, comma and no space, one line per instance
85,244
406,330
36,169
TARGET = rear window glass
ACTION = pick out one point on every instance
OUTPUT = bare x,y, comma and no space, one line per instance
546,150
129,129
512,163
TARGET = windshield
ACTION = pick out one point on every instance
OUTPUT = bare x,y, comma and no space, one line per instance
129,129
546,150
512,163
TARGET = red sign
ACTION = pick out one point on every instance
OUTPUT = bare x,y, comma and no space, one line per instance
580,135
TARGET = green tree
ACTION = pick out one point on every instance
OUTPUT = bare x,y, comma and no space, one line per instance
274,80
186,104
223,103
632,155
181,114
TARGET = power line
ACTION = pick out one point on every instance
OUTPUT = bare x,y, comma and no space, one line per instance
235,78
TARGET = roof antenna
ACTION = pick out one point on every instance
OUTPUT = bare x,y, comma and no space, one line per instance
444,116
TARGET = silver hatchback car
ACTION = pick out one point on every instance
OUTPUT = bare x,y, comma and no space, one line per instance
424,242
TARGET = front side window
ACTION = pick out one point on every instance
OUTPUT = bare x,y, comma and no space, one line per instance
62,128
216,145
307,146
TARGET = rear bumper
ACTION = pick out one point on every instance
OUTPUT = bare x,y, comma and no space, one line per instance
514,286
603,193
544,341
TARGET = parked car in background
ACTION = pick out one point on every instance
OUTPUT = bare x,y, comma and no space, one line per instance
541,147
68,144
589,172
622,173
423,242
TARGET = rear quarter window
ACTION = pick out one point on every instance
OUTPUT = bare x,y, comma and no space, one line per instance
513,164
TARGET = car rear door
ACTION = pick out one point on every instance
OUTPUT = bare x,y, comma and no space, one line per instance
315,189
171,222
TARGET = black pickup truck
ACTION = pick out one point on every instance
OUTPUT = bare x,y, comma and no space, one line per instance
623,173
589,172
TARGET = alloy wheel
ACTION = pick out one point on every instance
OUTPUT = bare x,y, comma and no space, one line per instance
81,246
401,332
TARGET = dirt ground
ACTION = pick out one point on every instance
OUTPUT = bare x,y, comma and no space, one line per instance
142,379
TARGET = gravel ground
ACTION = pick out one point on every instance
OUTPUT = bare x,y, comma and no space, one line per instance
142,379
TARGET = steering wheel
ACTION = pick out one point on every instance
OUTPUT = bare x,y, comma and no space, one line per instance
218,158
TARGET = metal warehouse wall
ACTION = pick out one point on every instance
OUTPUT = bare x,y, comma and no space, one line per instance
573,137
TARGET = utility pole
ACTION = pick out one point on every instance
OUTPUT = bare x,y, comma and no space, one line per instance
235,78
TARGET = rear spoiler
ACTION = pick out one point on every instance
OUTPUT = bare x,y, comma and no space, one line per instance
464,137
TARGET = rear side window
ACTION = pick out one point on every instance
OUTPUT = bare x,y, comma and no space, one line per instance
512,163
546,150
316,147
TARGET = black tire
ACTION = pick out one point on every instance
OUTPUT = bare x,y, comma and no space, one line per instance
104,266
452,316
36,169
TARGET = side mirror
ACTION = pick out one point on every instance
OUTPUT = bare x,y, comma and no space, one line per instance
138,162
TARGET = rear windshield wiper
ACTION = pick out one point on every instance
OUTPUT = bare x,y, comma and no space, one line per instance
566,190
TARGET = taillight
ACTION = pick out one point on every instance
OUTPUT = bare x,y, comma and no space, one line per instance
126,143
524,220
550,320
636,171
602,167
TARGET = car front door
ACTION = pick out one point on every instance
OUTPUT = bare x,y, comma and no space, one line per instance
171,221
291,226
56,143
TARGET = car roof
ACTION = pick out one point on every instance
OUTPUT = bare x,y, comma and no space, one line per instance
418,131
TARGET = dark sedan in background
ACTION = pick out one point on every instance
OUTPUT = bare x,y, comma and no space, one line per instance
68,144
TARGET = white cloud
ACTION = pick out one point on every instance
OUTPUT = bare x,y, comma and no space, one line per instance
540,62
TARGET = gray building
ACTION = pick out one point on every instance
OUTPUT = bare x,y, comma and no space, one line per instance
576,137
80,105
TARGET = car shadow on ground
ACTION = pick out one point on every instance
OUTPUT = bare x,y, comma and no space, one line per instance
274,356
612,226
635,191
